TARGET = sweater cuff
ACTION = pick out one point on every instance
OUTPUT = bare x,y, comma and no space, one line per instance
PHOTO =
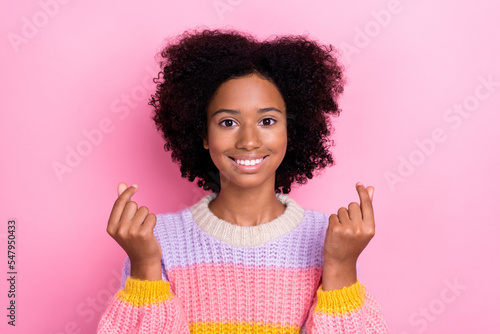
342,301
144,293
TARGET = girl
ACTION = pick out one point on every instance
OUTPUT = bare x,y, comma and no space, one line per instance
247,119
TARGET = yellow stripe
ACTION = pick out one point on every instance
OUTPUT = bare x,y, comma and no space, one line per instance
144,293
241,327
341,301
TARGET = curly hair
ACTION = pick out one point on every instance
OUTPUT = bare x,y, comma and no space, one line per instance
308,76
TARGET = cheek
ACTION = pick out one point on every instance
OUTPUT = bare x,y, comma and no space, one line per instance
281,139
217,147
277,143
216,159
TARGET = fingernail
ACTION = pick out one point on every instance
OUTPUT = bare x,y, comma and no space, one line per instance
359,184
134,185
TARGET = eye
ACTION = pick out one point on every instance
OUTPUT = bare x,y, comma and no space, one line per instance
227,123
267,121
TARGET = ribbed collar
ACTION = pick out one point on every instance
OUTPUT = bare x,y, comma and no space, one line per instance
247,235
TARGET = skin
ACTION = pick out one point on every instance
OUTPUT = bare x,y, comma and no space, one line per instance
349,232
132,229
235,127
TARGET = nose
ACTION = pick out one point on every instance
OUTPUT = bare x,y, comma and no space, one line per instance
248,137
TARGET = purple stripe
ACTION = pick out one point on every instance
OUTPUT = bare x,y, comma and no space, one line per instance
184,243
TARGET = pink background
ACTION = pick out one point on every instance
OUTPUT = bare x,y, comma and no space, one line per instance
71,67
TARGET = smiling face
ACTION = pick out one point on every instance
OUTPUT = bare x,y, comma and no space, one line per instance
247,136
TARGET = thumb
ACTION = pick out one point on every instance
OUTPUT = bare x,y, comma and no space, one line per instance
121,187
370,192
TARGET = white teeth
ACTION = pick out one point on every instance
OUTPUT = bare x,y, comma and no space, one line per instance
249,162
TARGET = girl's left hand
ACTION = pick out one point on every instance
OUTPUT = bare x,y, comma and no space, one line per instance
349,232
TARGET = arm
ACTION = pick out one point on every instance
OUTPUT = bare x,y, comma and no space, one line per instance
342,304
348,310
145,304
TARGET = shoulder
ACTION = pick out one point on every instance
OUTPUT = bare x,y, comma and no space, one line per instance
166,218
315,221
171,225
318,216
178,223
309,216
295,210
312,222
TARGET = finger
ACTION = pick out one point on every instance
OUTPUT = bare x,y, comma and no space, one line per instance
129,212
333,218
118,207
129,222
333,222
138,219
370,192
343,215
365,201
121,187
354,212
149,222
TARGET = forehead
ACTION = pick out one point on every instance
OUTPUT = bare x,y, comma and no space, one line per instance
249,91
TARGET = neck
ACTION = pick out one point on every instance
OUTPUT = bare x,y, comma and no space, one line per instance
247,235
246,207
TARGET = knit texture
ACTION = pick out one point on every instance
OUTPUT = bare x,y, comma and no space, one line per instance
222,278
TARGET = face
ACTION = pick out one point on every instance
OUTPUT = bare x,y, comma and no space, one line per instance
247,136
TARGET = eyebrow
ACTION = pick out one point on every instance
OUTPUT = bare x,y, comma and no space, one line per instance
237,112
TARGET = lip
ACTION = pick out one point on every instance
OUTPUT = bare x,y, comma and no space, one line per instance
248,168
248,157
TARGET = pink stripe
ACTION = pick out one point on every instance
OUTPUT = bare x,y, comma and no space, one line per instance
215,292
325,323
121,317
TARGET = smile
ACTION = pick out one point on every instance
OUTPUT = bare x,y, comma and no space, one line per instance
249,162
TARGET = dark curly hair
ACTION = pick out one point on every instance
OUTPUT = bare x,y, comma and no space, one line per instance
196,63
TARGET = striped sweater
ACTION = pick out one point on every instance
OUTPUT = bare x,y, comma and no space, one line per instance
222,278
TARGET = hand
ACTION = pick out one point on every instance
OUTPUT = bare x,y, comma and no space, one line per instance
132,229
349,232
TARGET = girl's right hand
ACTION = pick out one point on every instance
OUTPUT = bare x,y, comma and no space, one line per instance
132,229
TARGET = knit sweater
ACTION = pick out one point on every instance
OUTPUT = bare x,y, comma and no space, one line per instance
219,277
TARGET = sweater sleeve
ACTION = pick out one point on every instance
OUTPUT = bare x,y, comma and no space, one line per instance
348,310
143,307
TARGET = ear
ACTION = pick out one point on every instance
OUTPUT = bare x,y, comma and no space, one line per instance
205,143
